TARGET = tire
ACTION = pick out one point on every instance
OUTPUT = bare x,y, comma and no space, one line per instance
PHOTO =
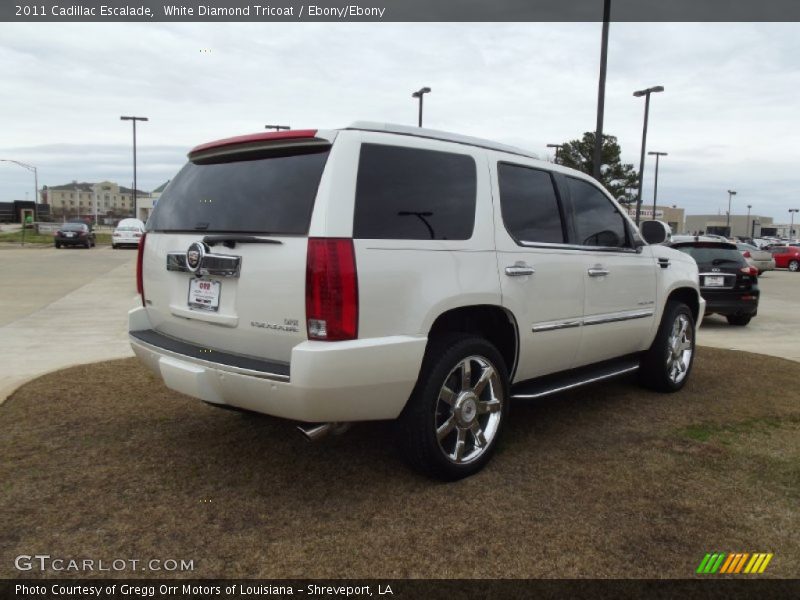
441,427
740,320
114,246
662,369
794,266
58,246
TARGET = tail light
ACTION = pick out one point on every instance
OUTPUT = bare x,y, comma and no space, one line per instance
749,271
139,274
57,233
331,289
82,234
746,253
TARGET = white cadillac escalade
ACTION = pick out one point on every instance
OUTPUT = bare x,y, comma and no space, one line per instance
388,272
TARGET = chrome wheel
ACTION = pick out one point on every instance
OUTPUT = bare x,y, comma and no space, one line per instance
794,266
680,350
468,410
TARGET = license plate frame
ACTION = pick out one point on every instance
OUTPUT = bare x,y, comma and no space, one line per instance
713,281
204,294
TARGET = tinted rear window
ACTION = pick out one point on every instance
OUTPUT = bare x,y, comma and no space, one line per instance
529,204
74,227
413,194
266,195
713,255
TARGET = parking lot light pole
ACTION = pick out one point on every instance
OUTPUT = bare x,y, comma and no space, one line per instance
655,186
731,194
35,172
557,147
749,206
134,119
638,94
791,226
419,94
277,127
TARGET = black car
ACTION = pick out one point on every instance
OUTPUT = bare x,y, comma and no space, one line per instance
74,234
727,283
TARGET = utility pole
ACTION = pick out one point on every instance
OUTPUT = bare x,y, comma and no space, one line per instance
601,93
134,119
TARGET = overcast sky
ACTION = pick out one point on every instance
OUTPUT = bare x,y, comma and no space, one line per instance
728,117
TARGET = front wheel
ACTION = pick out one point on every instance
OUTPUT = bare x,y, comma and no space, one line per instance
665,367
794,266
450,426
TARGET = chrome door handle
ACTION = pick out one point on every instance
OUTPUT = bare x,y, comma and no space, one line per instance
520,269
597,271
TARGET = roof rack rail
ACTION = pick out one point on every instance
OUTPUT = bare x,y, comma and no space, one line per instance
439,135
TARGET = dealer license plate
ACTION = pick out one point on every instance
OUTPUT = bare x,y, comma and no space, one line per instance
204,293
714,281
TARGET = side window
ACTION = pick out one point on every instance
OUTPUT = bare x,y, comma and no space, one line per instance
597,220
529,204
413,194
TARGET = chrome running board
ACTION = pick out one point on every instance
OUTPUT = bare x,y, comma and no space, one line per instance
567,380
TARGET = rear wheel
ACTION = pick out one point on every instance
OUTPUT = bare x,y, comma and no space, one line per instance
665,367
741,320
58,245
794,266
450,426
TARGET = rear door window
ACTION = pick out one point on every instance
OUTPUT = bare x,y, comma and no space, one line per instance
414,194
265,195
597,220
529,204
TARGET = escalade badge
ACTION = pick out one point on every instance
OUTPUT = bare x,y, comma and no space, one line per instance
194,256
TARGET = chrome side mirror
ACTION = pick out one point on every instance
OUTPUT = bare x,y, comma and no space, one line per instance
655,232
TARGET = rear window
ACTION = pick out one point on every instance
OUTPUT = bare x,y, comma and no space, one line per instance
712,254
265,195
414,194
74,227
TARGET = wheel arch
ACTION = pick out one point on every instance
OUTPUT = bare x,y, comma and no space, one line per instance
689,296
492,322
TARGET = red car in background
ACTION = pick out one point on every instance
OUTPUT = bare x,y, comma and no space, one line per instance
786,257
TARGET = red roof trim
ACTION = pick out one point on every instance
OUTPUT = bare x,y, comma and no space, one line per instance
266,136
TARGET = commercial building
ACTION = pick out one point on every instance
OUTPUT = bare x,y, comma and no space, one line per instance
672,215
106,199
146,205
740,225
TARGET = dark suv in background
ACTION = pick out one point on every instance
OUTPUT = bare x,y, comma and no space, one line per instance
727,282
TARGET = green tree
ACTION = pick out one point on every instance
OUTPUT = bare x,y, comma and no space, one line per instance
617,177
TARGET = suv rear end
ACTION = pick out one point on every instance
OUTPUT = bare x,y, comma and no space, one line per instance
249,286
728,283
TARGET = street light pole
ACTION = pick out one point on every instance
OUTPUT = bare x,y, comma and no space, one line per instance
134,119
277,127
35,172
731,194
601,93
419,94
791,226
638,94
655,187
557,147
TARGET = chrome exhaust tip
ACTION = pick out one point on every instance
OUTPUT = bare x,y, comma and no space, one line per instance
317,432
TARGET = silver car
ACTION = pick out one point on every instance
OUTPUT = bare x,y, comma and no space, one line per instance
760,259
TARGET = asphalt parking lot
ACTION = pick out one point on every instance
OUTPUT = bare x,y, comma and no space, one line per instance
62,307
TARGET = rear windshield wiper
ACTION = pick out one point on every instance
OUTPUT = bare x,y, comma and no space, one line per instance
230,240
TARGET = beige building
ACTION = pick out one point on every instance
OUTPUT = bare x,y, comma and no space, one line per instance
106,197
672,215
146,205
740,225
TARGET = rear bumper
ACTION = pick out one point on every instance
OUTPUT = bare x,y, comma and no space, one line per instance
72,241
732,302
359,380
